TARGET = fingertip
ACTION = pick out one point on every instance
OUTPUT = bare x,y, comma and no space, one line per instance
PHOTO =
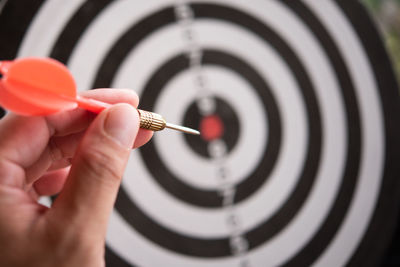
122,124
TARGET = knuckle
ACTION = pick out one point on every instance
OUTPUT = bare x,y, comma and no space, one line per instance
54,150
100,164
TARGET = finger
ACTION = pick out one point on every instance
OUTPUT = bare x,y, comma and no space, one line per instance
142,138
22,139
92,185
11,174
51,183
57,154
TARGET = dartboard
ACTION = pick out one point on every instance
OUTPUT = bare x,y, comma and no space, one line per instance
297,164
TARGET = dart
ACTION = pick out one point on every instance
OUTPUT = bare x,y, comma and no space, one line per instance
43,86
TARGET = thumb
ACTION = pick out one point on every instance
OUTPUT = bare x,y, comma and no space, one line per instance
97,168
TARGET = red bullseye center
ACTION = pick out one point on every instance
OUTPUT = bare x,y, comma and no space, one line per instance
211,127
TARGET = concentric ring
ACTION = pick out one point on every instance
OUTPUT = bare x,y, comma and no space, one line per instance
337,217
217,247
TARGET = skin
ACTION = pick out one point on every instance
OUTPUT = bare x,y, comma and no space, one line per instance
74,153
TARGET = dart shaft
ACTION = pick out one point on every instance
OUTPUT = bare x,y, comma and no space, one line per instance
148,120
155,122
182,129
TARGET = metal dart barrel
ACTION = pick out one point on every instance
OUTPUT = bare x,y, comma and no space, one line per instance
155,122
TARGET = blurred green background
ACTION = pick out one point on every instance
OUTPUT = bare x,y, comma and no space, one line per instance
387,16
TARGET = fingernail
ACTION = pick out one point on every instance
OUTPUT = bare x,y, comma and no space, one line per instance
121,124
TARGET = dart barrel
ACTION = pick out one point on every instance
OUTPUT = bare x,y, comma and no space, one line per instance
151,121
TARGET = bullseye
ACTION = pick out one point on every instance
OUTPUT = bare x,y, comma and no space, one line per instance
217,125
211,128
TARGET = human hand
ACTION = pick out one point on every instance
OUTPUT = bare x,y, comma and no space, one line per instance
74,153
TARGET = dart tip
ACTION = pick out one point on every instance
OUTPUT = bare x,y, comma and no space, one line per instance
182,129
195,132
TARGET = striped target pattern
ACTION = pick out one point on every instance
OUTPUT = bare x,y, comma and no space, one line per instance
305,105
